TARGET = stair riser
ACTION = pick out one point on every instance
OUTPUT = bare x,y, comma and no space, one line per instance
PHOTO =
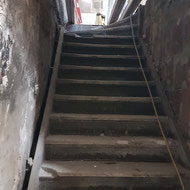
105,107
104,90
115,41
102,75
110,183
101,50
94,61
127,152
61,126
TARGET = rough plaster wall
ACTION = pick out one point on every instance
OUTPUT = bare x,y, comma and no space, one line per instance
167,31
27,30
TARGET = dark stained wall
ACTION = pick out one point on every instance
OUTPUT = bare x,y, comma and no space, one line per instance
167,31
27,33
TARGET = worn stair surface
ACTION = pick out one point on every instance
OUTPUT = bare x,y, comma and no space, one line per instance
103,133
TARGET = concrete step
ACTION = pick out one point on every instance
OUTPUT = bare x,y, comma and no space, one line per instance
105,49
122,57
71,28
108,125
83,175
117,31
102,73
92,45
101,60
104,88
101,39
105,105
75,147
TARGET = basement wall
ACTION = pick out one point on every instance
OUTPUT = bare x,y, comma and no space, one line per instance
167,32
27,33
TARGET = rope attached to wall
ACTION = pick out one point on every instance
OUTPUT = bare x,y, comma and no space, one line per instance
155,110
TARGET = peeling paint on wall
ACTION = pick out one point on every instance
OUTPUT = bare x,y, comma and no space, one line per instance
27,30
6,44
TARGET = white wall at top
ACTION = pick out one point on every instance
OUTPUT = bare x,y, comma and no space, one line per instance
89,16
143,2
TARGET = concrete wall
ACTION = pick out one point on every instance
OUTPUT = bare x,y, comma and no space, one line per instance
167,31
27,31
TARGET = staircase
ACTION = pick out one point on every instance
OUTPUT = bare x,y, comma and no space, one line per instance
103,134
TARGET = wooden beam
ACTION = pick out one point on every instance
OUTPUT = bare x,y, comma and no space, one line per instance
118,6
131,7
70,11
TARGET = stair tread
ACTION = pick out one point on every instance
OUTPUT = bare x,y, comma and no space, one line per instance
110,82
113,36
113,117
88,33
108,140
76,67
99,45
101,56
103,36
57,169
105,98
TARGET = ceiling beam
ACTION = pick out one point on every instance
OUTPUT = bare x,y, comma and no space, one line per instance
116,10
70,11
131,7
